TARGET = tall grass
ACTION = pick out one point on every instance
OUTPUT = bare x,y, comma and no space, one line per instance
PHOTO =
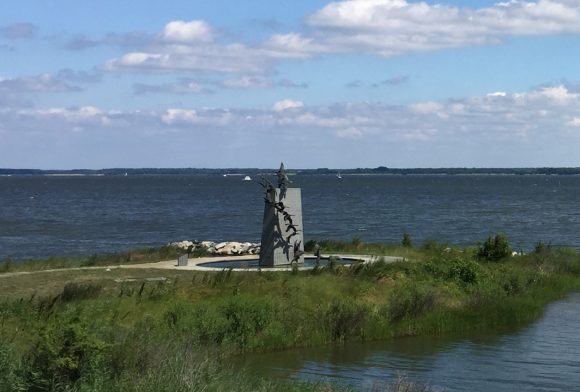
177,334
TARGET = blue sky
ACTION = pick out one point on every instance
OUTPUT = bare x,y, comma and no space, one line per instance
353,83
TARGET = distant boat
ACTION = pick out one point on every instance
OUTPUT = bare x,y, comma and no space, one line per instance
339,176
225,175
125,175
247,178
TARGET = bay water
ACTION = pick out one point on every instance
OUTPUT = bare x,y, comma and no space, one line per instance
44,216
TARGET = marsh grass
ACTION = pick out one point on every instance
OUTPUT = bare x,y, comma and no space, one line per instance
130,330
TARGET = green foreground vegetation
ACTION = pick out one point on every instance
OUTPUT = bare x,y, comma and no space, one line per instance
160,330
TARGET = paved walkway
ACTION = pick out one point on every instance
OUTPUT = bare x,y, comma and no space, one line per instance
194,265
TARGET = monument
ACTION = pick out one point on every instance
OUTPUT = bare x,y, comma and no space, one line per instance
282,235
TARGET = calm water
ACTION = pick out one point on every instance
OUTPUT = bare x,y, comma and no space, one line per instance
540,358
45,216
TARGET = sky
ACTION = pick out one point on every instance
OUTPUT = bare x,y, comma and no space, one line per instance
336,84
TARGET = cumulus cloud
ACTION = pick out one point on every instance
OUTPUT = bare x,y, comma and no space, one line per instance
548,109
391,27
379,27
511,129
188,32
177,116
286,104
497,94
18,31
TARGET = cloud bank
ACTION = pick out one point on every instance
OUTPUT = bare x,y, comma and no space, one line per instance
493,129
383,28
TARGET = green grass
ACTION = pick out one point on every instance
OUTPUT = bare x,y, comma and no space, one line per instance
135,256
138,330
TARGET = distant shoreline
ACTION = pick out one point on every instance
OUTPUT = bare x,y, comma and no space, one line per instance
7,172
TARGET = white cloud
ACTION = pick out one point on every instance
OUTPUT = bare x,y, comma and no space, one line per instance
379,27
518,129
427,107
559,94
286,104
176,116
188,32
391,27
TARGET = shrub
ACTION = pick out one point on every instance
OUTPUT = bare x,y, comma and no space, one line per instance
63,355
310,245
494,248
406,242
542,248
464,271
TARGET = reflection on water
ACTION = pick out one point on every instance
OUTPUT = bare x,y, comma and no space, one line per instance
542,357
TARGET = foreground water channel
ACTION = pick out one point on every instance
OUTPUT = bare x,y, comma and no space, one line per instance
544,356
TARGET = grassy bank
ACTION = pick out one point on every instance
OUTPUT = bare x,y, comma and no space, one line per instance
174,330
134,256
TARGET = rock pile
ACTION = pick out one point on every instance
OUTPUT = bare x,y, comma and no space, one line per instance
231,248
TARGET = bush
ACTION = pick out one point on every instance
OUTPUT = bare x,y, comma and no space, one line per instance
63,354
464,271
406,242
310,246
542,248
494,248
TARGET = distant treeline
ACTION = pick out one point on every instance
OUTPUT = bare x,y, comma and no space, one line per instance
319,171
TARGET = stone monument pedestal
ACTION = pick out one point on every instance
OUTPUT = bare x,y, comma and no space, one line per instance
182,261
282,235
